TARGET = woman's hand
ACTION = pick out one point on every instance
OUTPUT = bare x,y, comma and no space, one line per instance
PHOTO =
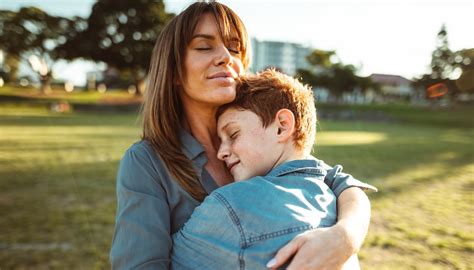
324,248
330,248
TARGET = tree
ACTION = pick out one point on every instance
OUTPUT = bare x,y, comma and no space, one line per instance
9,68
442,58
31,34
120,33
328,72
451,69
465,82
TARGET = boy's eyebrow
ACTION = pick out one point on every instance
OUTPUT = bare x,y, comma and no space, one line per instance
225,126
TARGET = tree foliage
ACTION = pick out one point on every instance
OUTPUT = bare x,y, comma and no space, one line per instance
442,57
33,35
453,69
326,71
465,83
120,33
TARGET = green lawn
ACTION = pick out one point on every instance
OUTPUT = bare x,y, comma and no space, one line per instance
57,198
29,94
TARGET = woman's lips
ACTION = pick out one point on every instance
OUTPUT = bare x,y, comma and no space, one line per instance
222,74
224,80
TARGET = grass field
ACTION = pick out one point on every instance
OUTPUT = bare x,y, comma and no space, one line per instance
29,94
57,186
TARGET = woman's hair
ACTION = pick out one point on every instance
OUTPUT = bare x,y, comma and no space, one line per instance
268,92
162,109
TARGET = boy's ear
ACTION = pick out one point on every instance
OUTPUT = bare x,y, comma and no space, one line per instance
285,121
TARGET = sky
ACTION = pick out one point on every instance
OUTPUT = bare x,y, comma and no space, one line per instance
377,36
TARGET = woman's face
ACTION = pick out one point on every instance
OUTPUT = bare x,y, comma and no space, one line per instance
211,67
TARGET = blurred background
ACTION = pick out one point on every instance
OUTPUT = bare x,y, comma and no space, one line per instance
394,83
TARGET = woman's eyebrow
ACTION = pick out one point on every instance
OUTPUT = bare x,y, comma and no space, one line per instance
211,37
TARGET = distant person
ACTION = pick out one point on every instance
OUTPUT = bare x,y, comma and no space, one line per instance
165,176
267,134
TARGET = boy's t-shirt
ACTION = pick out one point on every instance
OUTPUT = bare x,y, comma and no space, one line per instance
243,225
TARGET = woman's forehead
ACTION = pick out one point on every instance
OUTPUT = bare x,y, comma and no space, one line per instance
209,26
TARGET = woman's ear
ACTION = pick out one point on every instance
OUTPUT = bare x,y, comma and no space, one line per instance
285,121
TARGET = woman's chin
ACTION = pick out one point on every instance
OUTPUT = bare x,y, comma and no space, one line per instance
225,95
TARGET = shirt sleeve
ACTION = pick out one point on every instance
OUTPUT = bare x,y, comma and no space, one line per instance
338,181
142,228
209,240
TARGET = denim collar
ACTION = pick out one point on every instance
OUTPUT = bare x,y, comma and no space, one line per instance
311,165
190,146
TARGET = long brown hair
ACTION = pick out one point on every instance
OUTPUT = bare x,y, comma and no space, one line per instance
162,110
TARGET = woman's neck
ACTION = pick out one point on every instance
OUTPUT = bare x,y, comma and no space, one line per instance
201,123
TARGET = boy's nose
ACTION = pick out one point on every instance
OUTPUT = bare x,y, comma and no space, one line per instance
222,153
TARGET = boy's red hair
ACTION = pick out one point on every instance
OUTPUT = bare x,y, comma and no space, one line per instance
269,91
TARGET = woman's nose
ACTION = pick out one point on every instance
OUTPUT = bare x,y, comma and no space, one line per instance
224,57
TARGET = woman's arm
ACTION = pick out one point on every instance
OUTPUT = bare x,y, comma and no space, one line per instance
330,248
142,230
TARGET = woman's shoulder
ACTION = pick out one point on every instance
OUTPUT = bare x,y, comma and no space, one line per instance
141,148
141,152
141,161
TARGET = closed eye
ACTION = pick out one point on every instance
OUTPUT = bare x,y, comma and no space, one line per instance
234,51
234,135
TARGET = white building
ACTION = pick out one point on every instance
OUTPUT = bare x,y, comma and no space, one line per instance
284,56
393,86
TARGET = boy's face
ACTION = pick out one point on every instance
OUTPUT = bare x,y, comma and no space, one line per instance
247,148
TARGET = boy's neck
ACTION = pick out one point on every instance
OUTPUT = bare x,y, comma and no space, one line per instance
291,153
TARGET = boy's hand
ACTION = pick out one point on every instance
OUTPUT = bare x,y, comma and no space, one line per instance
324,248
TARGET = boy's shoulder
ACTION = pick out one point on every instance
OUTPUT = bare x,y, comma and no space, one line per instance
277,178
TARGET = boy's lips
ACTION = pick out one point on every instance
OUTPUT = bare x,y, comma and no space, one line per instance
231,165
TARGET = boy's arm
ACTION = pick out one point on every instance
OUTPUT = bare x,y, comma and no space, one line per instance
330,248
207,239
338,181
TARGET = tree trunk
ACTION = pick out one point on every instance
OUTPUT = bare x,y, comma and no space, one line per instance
140,85
139,78
45,84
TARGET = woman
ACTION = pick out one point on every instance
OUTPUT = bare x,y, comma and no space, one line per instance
162,178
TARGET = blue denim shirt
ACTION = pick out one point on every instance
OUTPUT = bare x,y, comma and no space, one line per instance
242,225
151,206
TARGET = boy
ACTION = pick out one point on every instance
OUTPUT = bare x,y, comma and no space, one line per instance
266,136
